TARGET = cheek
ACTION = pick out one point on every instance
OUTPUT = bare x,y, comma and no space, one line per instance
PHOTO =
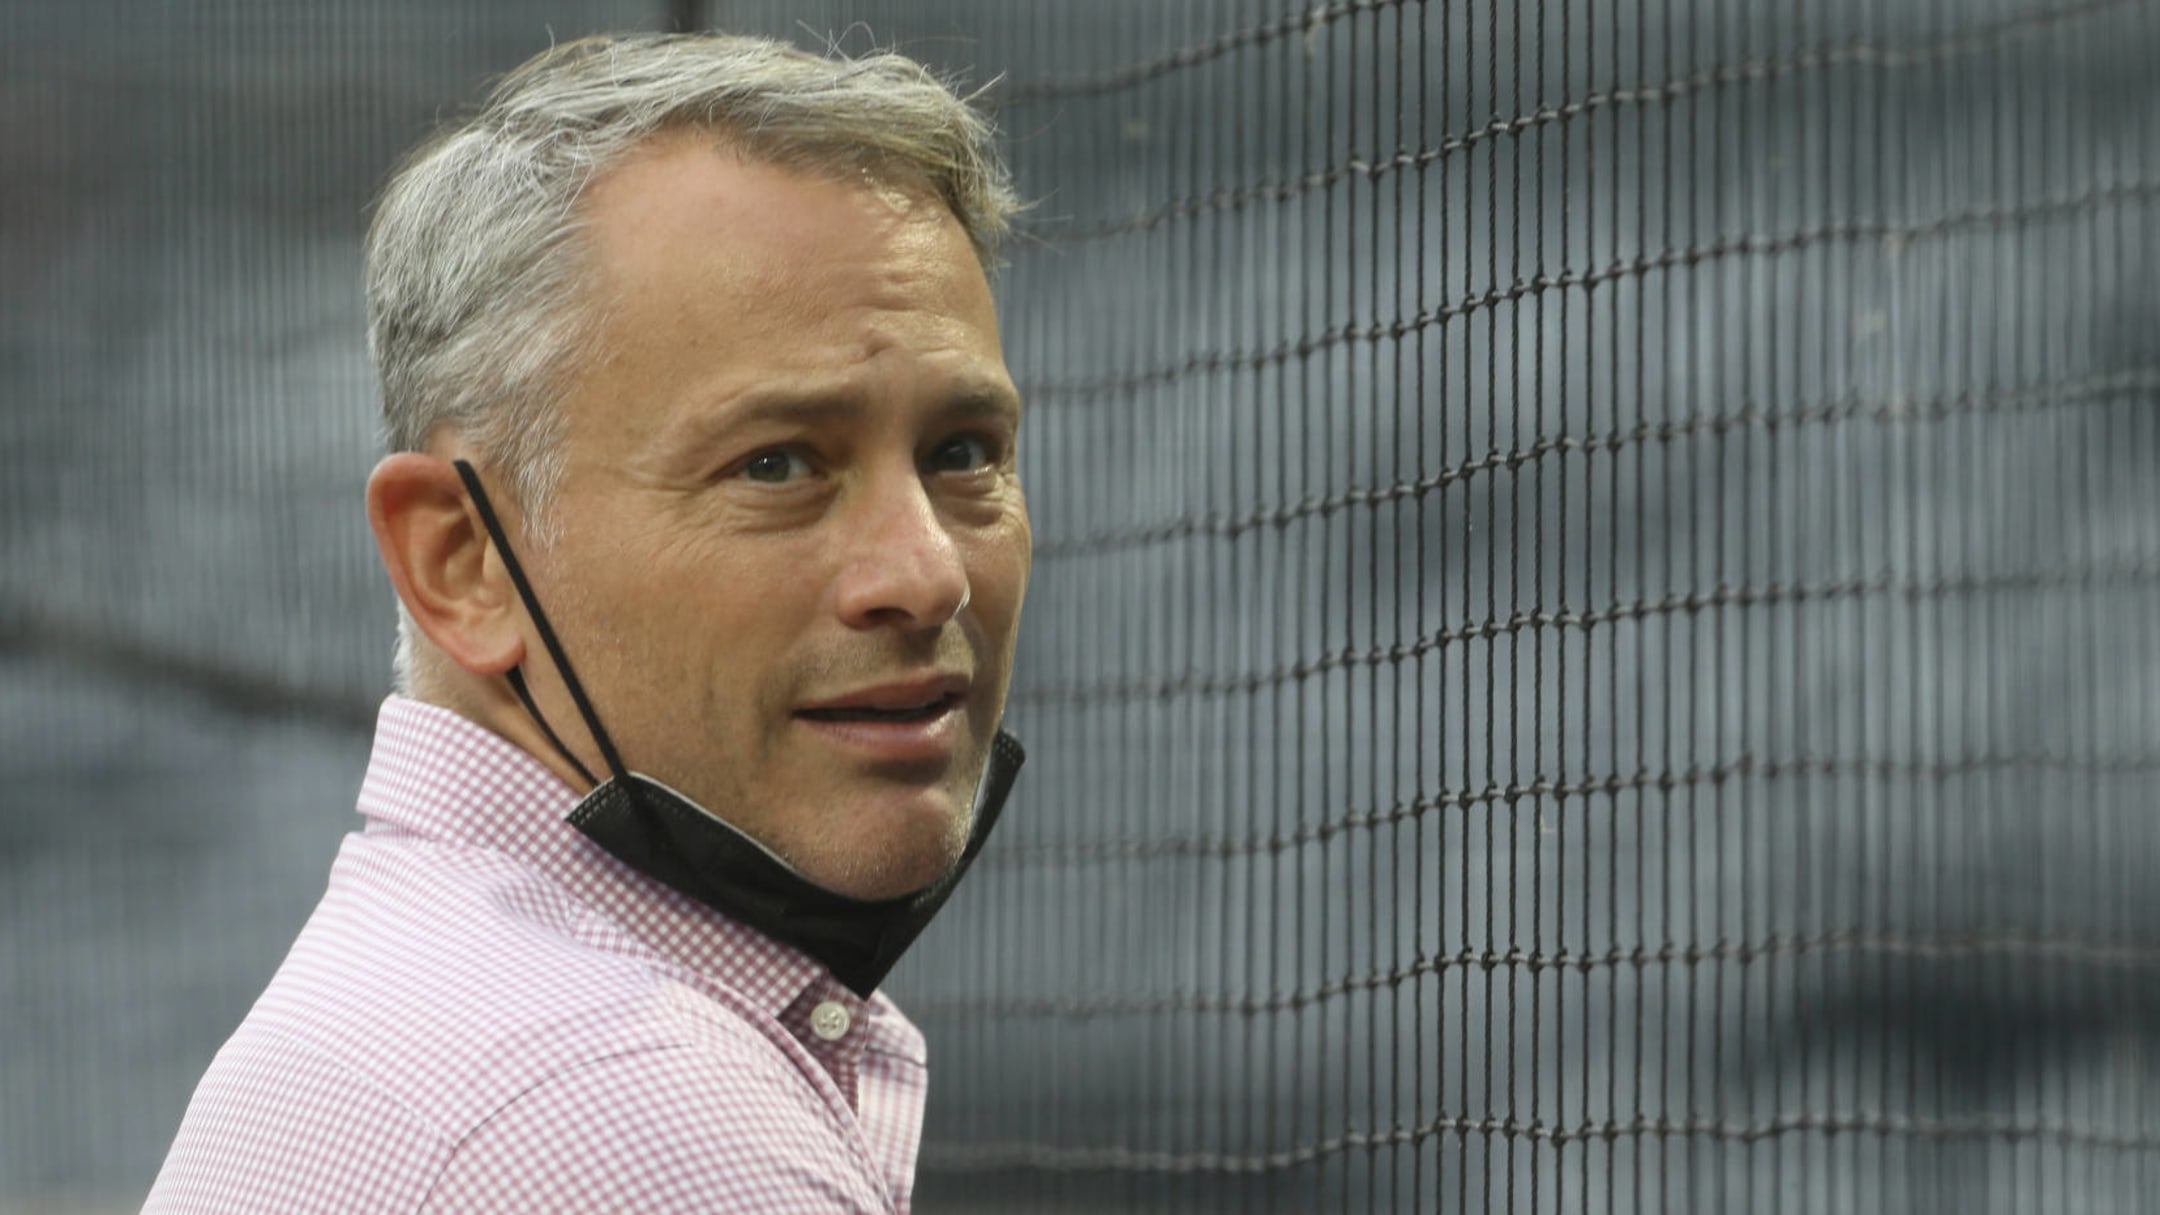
711,617
1000,561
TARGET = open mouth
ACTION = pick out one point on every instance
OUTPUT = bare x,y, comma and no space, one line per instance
928,710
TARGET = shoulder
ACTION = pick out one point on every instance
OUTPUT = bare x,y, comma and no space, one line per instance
664,1128
449,1013
613,1120
278,1126
454,978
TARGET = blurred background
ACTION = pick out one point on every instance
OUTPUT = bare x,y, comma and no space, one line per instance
1596,633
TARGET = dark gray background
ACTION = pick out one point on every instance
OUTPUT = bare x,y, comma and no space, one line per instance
1595,623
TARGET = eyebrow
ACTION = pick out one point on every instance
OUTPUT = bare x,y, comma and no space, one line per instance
765,405
779,405
982,401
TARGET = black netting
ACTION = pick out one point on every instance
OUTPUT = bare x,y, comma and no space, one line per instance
1596,617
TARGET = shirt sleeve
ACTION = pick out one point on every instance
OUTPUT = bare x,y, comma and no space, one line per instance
662,1130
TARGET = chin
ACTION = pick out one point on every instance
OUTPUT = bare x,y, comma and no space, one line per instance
887,851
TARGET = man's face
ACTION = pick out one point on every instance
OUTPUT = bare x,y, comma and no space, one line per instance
793,544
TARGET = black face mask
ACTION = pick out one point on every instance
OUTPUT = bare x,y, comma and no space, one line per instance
669,838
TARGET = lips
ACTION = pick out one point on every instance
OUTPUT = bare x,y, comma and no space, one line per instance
912,720
900,702
925,711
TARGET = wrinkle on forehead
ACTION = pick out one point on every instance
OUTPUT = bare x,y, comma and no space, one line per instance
688,192
718,274
778,244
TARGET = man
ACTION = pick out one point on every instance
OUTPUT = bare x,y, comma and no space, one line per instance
703,515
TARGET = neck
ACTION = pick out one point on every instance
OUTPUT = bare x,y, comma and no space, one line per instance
488,701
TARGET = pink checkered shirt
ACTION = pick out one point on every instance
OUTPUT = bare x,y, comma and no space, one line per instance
489,1013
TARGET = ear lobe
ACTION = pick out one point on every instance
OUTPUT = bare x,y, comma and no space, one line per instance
440,560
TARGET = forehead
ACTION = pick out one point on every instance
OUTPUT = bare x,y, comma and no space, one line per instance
695,244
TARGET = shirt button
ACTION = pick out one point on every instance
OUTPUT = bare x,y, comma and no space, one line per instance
830,1020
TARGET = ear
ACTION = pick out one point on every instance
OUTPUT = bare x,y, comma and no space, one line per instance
442,563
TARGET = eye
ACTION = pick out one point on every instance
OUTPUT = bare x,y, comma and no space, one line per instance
775,467
962,453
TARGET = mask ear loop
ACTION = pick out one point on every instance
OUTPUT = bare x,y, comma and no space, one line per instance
547,638
517,684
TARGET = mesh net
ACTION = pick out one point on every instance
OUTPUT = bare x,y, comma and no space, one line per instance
1595,622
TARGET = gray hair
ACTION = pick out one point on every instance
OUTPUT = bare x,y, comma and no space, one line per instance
475,274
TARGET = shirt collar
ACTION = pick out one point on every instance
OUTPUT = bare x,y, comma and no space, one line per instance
444,777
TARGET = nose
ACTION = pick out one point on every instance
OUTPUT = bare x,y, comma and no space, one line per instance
902,567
